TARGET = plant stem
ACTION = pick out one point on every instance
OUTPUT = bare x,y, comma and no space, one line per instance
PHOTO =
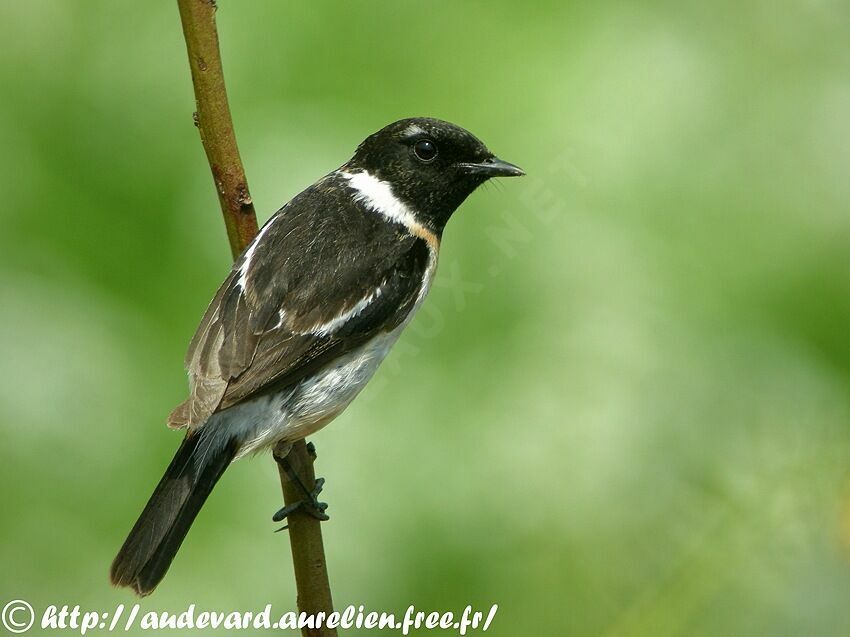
305,538
212,118
216,126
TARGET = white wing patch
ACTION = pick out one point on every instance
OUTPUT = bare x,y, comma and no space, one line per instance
242,281
324,329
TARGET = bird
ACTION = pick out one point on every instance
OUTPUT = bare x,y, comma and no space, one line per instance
306,315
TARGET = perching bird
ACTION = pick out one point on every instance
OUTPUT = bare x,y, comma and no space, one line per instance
306,315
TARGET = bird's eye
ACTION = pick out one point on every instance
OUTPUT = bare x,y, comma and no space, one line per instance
425,150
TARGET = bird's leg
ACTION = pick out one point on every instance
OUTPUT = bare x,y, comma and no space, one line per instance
309,503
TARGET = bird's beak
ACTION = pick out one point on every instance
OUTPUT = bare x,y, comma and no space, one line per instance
492,167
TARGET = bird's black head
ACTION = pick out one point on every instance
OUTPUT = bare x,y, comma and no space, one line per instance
430,165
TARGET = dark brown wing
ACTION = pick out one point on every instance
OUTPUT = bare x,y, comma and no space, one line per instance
285,356
302,294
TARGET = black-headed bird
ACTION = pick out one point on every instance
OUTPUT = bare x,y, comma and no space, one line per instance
306,315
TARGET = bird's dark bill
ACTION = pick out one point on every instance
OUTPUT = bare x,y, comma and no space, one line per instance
493,167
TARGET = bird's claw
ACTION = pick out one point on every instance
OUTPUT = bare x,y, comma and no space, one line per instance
309,505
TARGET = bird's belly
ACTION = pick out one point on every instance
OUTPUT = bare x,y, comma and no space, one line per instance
298,411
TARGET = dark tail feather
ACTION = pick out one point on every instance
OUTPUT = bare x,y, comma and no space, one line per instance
152,544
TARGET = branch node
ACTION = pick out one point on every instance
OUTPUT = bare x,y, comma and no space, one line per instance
244,198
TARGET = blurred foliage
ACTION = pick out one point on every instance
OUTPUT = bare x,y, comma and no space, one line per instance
623,410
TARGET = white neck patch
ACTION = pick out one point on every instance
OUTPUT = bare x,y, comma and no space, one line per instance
377,195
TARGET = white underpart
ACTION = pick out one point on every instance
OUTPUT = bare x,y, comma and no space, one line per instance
303,409
249,254
378,195
308,406
324,329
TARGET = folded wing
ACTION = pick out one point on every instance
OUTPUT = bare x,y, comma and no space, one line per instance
300,296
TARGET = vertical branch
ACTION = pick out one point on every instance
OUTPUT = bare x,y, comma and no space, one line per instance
305,538
213,120
216,127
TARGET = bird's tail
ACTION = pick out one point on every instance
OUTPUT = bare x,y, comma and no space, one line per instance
152,544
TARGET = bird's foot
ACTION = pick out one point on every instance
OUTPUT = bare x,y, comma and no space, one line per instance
309,503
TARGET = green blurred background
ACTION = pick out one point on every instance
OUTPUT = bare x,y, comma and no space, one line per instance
624,408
